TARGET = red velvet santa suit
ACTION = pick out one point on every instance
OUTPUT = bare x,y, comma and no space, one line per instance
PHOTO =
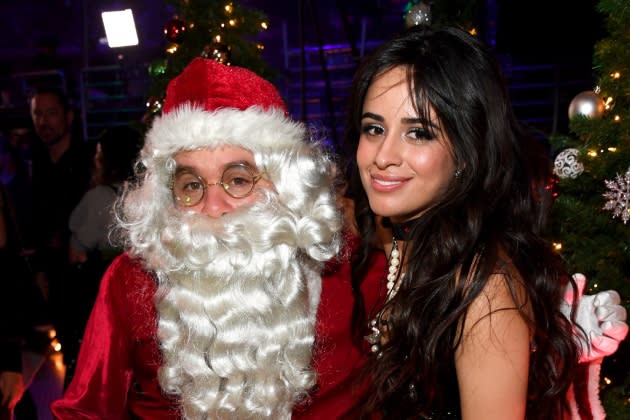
337,361
116,376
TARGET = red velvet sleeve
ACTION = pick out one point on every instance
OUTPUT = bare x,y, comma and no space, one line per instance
117,366
103,375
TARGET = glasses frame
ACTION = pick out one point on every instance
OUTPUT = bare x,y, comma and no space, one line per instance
255,178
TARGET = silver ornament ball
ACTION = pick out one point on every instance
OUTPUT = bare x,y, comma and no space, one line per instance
420,14
567,165
588,104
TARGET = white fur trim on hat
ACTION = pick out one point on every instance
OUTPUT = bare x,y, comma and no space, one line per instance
189,128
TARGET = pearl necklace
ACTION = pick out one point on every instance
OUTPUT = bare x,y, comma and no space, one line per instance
393,284
392,275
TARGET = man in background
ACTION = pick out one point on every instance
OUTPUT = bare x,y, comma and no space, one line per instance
61,163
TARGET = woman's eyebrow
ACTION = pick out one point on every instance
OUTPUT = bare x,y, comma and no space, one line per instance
423,121
372,116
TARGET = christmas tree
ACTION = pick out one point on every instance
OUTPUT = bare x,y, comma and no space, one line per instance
591,215
219,30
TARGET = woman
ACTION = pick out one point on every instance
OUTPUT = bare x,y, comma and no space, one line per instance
90,250
471,326
116,151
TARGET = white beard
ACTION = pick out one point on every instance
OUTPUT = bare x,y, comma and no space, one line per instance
236,302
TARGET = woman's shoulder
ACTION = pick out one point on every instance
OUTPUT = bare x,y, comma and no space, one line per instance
502,287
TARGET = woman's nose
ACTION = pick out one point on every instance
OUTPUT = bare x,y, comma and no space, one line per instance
388,152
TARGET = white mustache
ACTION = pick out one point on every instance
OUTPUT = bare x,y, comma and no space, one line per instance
196,242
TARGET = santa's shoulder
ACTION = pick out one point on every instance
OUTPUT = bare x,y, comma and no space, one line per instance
130,288
128,272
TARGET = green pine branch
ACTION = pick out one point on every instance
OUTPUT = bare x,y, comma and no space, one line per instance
205,20
593,242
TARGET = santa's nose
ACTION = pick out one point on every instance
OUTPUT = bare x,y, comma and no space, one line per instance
216,201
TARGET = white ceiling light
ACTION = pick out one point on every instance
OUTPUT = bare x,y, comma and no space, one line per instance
120,28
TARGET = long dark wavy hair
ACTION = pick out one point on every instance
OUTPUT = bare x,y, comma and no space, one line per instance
496,210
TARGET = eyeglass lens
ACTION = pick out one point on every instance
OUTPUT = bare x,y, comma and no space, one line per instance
189,188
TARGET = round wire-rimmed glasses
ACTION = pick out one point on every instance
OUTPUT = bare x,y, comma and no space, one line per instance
189,188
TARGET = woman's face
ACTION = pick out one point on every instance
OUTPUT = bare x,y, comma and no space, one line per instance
203,171
404,169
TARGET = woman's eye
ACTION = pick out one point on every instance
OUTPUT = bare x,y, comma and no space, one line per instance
372,130
420,133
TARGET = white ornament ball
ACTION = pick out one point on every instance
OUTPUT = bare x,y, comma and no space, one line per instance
588,104
567,165
418,14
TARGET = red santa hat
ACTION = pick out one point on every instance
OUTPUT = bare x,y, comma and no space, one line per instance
210,104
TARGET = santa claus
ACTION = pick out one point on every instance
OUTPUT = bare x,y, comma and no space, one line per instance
226,234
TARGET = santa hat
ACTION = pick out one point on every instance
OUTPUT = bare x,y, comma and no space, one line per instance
210,104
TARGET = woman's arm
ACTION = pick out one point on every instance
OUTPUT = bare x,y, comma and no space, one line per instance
89,222
492,361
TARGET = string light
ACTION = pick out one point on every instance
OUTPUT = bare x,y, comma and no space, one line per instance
55,344
608,102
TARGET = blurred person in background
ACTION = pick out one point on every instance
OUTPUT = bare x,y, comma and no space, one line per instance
61,167
90,249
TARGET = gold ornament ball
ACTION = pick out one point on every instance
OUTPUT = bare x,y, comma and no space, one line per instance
154,105
218,52
588,104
